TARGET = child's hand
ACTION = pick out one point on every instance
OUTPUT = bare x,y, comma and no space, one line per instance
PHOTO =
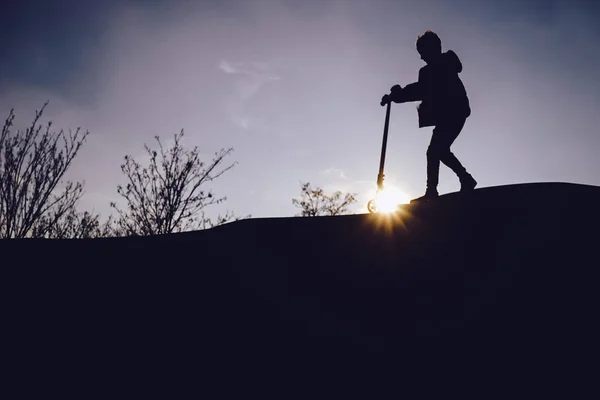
396,94
385,99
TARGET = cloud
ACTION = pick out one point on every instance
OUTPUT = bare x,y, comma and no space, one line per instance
250,77
254,69
335,172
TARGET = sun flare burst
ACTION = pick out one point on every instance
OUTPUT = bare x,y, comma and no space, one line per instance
389,199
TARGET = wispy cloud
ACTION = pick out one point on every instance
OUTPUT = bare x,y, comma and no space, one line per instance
336,172
249,77
254,69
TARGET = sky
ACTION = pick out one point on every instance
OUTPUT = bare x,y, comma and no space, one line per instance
294,87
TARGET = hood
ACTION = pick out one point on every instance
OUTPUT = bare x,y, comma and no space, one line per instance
451,61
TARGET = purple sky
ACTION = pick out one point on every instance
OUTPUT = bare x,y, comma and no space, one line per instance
294,87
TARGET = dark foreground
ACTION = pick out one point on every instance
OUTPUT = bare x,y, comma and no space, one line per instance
496,294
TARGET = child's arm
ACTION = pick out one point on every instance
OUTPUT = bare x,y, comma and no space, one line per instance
412,91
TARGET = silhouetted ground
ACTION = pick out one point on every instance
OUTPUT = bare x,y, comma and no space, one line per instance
496,293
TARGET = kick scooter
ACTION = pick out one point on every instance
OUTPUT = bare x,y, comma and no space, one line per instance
372,204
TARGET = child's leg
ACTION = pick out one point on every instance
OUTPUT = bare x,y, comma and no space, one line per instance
443,136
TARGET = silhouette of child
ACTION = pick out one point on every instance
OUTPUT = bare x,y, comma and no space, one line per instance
444,105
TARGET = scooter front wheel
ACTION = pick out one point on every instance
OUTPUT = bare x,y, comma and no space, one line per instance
372,206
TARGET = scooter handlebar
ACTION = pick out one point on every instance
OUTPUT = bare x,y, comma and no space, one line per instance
385,100
388,97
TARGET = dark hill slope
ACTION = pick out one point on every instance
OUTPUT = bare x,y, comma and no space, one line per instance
500,286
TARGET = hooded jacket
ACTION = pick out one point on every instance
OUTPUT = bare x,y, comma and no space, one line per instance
441,92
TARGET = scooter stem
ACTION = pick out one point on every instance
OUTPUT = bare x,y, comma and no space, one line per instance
384,146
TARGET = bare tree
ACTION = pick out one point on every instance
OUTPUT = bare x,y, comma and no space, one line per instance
167,196
32,165
73,225
314,202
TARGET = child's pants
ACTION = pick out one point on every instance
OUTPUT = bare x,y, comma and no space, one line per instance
442,138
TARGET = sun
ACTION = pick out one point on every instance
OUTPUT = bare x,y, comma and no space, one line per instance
388,200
